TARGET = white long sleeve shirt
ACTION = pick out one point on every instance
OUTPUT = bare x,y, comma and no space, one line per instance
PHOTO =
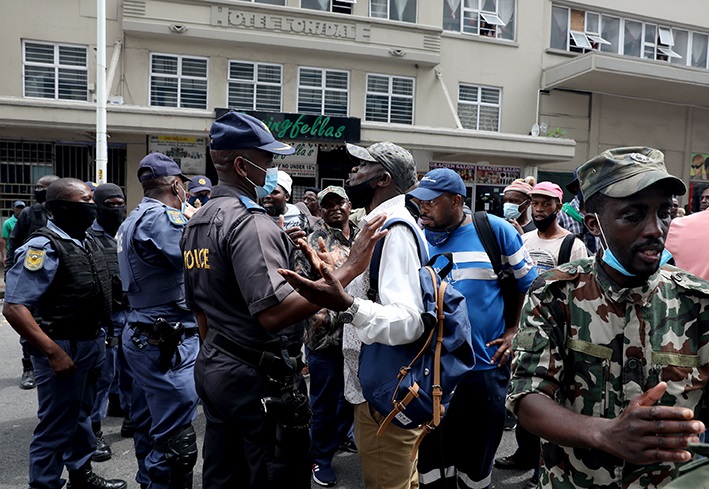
396,318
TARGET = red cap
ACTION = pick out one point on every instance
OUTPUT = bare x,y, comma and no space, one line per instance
549,189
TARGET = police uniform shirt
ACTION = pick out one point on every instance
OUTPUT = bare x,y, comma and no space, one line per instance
156,239
232,270
36,264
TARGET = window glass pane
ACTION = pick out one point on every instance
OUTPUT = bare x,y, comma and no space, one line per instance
402,86
451,17
268,98
193,94
402,110
559,28
610,31
490,6
377,83
506,11
592,23
490,96
241,71
335,103
311,78
336,80
489,118
269,74
402,10
323,5
72,84
39,53
378,9
699,50
468,93
166,65
272,2
665,35
680,47
72,56
468,115
471,21
241,96
194,67
377,109
163,91
310,101
632,43
39,82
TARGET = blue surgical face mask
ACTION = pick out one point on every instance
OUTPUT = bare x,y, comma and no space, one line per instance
269,184
511,210
610,259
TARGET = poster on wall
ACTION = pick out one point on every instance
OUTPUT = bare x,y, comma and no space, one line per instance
302,163
497,175
188,152
699,166
696,189
466,171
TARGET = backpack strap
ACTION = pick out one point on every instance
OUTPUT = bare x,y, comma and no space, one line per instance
566,246
492,247
376,260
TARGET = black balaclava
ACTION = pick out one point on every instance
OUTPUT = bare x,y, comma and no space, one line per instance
109,217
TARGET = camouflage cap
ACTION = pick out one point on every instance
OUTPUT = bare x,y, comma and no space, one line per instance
332,189
396,160
621,172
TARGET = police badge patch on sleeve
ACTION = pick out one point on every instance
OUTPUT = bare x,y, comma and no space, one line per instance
176,217
34,259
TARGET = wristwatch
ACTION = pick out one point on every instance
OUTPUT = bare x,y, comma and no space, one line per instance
348,314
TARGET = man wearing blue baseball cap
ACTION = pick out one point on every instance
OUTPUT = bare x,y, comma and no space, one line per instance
160,340
463,443
8,225
200,189
251,320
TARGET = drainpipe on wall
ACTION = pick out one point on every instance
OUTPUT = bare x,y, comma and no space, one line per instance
101,143
439,75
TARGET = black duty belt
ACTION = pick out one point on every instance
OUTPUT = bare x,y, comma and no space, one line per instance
70,332
153,337
269,362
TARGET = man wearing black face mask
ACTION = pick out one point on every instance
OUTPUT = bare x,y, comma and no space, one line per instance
62,273
110,213
545,243
30,220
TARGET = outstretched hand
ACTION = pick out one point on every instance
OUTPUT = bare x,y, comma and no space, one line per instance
326,292
645,433
363,247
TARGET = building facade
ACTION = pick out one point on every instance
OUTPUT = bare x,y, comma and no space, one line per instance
495,89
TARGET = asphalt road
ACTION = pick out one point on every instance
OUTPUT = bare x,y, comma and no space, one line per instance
18,417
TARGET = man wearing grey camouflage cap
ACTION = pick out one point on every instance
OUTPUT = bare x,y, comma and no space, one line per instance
612,354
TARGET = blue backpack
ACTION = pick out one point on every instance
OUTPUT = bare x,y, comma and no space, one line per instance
413,384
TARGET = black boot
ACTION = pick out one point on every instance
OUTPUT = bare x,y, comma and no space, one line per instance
127,428
103,450
27,381
84,478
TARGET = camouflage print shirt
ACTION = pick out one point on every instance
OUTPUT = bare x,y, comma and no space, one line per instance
323,329
592,347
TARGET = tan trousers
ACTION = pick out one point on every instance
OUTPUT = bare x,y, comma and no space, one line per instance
385,460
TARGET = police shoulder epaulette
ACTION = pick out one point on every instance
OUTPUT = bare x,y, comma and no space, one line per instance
175,217
250,205
683,278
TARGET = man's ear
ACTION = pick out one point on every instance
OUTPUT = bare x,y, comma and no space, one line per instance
591,222
239,165
287,197
385,180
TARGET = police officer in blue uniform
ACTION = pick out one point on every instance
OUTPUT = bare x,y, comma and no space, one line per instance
248,372
62,273
160,343
110,213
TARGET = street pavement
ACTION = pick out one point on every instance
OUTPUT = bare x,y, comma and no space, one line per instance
18,417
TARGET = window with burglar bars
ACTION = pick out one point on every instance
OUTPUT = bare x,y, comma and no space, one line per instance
323,92
479,107
485,18
178,81
255,86
56,71
402,10
336,6
22,163
389,99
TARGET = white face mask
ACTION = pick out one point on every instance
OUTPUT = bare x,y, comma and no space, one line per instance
511,210
183,199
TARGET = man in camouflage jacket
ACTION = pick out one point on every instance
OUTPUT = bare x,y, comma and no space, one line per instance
612,355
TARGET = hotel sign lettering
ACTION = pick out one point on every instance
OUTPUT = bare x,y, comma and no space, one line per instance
228,17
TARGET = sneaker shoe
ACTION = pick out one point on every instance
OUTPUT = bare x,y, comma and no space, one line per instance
27,381
127,428
323,475
103,451
348,446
